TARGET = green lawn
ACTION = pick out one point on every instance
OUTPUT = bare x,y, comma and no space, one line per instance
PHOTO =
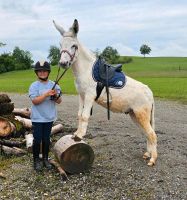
166,76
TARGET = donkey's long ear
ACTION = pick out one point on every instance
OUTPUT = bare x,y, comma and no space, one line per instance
59,28
75,27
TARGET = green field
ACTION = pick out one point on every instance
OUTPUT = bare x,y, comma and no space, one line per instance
166,76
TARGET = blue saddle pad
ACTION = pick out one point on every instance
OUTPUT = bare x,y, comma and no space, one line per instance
118,80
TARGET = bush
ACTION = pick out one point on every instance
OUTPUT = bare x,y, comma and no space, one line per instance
124,59
18,60
110,55
6,63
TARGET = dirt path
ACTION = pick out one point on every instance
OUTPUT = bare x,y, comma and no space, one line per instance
118,172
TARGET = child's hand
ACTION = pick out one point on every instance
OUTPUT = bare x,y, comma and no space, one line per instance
50,93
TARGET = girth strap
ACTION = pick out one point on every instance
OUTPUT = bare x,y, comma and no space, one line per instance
99,89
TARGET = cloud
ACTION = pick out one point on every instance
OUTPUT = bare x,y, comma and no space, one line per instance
122,24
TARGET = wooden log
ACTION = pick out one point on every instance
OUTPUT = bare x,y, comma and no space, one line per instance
6,108
59,168
9,125
11,143
4,98
73,156
56,129
22,112
26,122
29,141
12,150
5,127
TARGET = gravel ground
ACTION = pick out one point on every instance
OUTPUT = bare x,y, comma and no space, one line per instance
118,171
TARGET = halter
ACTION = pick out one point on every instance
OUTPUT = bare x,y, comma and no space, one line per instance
70,55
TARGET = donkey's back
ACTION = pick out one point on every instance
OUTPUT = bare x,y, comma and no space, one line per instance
133,96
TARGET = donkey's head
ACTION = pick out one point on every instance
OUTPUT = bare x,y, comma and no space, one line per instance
69,45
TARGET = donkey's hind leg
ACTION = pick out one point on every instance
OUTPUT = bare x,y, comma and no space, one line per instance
142,117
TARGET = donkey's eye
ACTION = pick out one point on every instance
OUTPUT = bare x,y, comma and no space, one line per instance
74,47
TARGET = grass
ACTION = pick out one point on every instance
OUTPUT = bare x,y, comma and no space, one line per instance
168,87
166,76
19,81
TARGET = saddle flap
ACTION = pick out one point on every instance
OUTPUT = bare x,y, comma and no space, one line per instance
106,72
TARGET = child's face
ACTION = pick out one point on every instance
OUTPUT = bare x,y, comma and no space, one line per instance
42,74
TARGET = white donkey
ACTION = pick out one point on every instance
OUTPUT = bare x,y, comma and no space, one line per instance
135,98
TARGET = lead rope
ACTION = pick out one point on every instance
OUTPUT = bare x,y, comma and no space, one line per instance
57,80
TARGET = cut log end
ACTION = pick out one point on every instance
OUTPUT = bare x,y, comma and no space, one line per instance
74,157
5,127
6,108
4,98
77,158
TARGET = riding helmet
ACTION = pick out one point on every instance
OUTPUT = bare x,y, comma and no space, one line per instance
42,65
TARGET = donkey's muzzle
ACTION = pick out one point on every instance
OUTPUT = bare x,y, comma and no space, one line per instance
64,65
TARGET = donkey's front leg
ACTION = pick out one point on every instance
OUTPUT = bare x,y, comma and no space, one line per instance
81,106
84,117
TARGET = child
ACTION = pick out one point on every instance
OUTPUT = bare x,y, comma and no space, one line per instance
43,112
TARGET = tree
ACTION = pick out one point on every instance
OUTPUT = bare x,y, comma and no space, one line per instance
6,62
97,53
145,49
23,59
110,54
54,55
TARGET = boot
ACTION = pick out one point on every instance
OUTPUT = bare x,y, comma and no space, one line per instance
37,163
47,164
45,151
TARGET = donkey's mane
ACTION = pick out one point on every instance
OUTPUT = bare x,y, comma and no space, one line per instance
88,53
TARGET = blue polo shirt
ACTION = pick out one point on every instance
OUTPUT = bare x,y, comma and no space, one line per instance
45,111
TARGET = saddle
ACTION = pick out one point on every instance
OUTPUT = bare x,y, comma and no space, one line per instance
106,71
107,76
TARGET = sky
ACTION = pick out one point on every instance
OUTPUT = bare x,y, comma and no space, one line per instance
122,24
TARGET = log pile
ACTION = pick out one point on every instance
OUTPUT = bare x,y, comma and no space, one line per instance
16,130
16,123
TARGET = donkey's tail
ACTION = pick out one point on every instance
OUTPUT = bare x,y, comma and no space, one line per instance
152,121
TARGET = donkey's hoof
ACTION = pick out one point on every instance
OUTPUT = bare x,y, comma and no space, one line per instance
146,156
151,163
